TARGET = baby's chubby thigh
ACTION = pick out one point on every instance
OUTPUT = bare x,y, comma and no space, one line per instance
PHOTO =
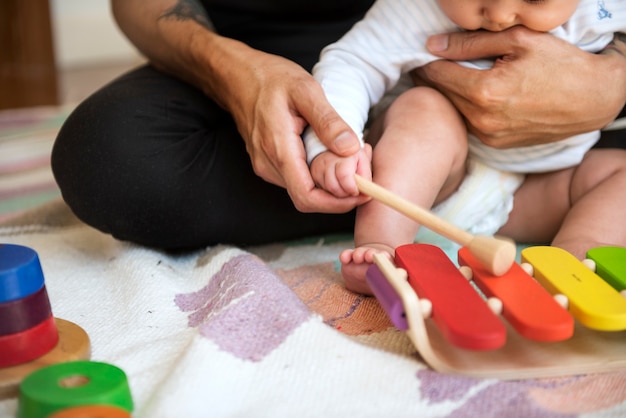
481,205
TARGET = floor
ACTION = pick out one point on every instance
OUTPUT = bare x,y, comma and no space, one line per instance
78,83
27,136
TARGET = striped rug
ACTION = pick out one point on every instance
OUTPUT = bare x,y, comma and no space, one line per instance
26,138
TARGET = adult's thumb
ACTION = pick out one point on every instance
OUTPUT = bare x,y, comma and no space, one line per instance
332,130
469,45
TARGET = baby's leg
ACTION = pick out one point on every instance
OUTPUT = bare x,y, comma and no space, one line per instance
598,213
575,209
420,155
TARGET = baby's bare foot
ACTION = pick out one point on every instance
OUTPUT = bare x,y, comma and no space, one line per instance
356,261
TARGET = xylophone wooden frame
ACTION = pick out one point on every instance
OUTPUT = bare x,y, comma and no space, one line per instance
588,351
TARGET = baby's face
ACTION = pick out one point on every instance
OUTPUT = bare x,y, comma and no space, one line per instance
497,15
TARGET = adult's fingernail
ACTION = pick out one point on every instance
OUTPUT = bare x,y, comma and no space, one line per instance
344,141
437,43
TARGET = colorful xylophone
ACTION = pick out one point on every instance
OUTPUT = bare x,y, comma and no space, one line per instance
550,316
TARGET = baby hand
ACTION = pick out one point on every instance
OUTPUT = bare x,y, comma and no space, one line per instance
335,174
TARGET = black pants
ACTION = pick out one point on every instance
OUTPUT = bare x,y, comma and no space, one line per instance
152,160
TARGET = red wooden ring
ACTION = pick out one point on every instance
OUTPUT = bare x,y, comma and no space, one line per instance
28,345
22,314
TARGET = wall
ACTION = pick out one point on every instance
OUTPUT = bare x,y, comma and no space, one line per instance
85,34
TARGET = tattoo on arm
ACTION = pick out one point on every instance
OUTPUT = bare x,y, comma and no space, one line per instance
617,45
188,10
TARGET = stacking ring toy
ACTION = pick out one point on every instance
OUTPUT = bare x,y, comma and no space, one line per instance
72,384
30,336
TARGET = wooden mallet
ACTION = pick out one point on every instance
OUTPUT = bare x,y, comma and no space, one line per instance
496,255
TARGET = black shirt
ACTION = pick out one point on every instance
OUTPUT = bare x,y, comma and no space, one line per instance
294,29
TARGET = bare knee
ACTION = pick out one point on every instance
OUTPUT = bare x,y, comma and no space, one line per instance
426,101
431,116
598,166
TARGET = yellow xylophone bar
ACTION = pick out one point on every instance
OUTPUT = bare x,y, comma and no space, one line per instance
591,300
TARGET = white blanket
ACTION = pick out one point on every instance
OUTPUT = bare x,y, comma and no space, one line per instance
263,332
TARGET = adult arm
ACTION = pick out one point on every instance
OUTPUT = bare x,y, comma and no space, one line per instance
270,98
541,90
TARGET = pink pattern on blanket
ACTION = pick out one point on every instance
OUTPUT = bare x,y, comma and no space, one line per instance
550,398
245,308
493,401
321,288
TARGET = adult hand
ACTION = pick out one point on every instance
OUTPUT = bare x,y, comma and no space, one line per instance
540,89
272,100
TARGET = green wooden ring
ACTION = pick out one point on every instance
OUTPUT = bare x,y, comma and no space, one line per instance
71,384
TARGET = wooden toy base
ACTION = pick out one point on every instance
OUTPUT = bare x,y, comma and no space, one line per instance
73,345
587,351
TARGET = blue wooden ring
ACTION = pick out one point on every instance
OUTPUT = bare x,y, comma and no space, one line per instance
20,272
